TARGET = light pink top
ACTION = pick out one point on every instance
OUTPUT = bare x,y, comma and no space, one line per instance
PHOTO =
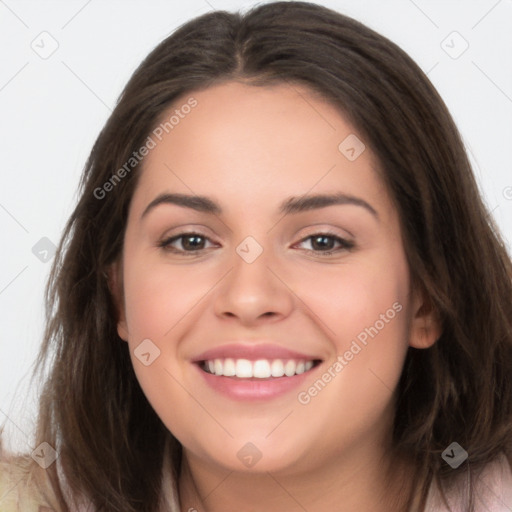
493,491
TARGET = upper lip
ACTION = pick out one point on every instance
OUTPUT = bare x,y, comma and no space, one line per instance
252,352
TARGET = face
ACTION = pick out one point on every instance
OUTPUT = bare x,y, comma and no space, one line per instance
266,328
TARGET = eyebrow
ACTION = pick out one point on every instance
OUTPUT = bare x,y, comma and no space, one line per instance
292,205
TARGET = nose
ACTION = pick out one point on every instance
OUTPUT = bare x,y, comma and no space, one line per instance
254,292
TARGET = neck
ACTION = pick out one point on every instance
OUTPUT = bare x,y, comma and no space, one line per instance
364,480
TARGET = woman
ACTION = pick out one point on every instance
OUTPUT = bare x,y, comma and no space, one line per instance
279,290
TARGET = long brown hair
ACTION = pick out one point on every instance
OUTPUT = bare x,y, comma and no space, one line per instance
93,410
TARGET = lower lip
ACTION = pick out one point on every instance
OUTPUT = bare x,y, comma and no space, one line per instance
254,389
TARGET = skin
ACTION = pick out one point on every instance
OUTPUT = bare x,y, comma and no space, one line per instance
250,148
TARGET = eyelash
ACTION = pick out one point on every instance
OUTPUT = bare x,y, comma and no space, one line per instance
345,244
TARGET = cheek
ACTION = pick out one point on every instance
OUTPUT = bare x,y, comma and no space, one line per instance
158,296
157,300
350,299
160,303
365,313
354,394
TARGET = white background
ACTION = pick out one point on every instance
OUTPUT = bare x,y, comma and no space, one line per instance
52,110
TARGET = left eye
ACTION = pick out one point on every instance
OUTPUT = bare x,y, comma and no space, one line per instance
190,242
194,243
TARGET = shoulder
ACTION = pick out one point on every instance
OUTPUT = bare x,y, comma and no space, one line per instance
492,490
24,486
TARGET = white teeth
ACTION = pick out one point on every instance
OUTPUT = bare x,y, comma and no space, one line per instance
277,368
260,369
229,368
243,368
289,368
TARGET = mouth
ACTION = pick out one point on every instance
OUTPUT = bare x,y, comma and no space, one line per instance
256,380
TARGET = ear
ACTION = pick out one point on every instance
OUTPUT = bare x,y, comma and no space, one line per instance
115,285
426,327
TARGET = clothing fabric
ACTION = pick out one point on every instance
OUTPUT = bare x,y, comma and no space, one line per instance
492,493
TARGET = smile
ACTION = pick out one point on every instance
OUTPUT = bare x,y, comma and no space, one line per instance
255,380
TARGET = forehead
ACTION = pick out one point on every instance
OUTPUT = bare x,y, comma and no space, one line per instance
255,144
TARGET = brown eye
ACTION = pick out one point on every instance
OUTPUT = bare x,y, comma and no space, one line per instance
326,243
187,242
